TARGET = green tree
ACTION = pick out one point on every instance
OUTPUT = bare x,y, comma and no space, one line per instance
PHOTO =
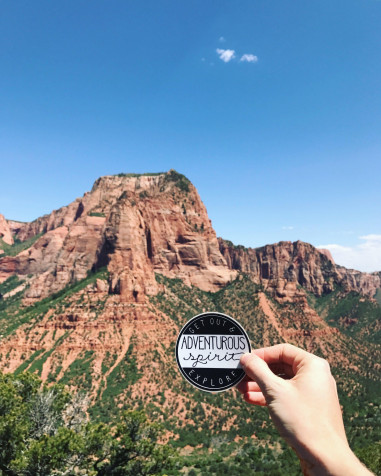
15,396
135,449
371,457
44,431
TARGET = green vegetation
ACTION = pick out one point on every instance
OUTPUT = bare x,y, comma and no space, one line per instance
223,456
13,315
355,315
18,246
371,457
172,176
359,391
122,376
96,214
209,424
108,362
230,244
9,285
45,431
79,372
147,174
377,296
28,361
9,306
180,180
238,299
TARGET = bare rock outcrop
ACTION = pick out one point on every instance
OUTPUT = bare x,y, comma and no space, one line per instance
139,225
136,225
5,231
284,266
363,283
161,227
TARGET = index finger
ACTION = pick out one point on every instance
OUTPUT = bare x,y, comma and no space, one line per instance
282,353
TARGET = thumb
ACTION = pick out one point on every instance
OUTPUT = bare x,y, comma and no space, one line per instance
258,370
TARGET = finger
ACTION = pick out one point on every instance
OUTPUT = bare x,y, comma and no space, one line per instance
286,353
246,386
258,370
246,378
255,398
280,369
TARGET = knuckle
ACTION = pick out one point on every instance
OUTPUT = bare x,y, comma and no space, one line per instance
287,346
323,364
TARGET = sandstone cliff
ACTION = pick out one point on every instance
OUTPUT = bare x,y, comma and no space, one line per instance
5,231
139,225
112,333
284,266
136,225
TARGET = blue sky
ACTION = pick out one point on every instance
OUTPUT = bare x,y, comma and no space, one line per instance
283,143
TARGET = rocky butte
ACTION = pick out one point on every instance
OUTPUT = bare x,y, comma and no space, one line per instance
147,224
136,225
94,294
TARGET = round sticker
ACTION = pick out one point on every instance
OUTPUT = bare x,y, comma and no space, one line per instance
208,351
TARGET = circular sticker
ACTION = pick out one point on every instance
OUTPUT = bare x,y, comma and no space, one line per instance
208,351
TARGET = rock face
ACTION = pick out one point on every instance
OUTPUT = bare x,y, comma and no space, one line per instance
113,333
136,225
5,231
363,283
284,266
139,225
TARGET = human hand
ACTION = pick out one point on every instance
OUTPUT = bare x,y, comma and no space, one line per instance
304,407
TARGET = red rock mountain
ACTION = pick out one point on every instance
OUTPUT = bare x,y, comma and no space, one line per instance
284,266
5,231
88,298
136,225
147,224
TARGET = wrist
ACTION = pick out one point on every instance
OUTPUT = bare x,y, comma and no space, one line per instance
333,458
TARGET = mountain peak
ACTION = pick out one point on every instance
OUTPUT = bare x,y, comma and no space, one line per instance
135,181
141,224
137,225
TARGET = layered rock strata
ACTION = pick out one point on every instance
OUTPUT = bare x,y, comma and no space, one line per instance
5,231
139,225
135,225
283,266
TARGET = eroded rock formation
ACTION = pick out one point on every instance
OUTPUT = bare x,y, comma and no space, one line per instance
5,231
139,225
284,266
136,225
126,320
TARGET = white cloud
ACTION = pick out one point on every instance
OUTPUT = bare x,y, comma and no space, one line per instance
365,256
249,58
221,39
225,55
287,227
372,238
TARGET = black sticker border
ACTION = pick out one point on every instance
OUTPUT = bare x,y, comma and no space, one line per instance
185,376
